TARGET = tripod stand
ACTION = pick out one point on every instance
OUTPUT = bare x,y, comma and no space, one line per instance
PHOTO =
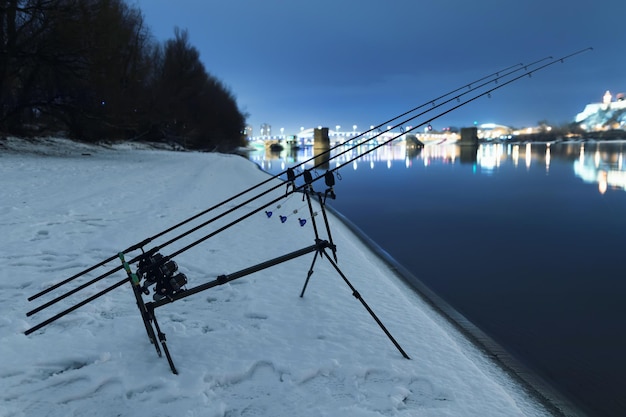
320,247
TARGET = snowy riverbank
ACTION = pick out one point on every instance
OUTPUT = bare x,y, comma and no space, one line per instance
250,347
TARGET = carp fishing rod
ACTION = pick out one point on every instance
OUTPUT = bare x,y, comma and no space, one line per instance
292,176
473,86
148,240
291,181
138,246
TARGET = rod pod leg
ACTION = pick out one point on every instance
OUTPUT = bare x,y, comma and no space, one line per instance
308,275
356,295
146,320
134,283
162,338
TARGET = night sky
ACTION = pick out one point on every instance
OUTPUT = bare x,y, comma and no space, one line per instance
293,63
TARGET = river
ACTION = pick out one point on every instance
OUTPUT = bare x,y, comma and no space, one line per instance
525,240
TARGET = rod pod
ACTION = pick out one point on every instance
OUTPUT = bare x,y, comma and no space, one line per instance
319,248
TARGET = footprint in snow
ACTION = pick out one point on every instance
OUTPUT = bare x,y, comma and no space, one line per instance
41,235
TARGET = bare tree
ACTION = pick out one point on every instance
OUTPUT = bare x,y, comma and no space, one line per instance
195,106
91,68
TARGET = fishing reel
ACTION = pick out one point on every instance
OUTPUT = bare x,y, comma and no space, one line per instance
155,268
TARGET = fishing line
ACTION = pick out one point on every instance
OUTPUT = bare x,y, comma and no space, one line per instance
145,242
302,221
269,213
274,201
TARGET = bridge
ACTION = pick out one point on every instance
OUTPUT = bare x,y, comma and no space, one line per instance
305,137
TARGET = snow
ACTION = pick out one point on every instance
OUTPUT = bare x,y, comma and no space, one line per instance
251,347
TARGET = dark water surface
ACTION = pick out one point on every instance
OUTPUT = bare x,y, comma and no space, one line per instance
526,241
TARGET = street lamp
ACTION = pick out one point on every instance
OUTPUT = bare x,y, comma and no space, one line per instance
282,130
354,129
337,129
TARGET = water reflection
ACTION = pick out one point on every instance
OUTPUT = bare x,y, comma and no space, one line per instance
600,163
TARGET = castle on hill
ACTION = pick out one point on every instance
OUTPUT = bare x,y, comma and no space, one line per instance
604,116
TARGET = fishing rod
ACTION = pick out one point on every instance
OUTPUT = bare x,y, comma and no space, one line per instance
147,241
297,189
291,180
292,177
